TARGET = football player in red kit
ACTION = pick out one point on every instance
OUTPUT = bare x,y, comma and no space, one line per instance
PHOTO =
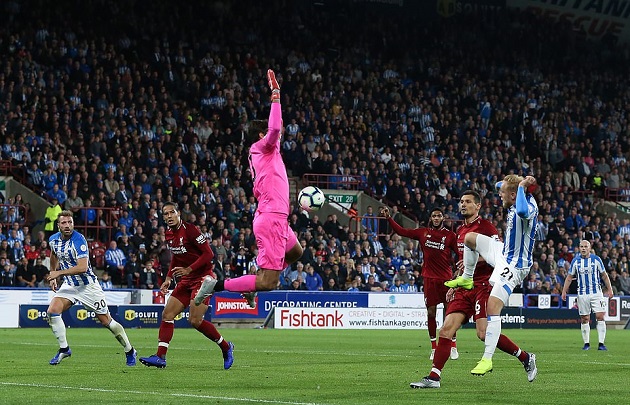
439,247
191,262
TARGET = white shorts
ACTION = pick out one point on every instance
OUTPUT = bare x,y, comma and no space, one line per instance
90,295
504,276
596,302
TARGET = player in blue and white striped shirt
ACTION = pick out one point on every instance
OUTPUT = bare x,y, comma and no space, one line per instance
70,259
588,268
511,260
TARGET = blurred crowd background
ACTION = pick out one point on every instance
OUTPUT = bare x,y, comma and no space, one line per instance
111,108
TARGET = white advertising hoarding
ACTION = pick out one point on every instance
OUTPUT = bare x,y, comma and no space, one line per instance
9,315
396,300
353,318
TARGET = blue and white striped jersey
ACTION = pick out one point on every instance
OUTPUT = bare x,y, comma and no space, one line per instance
520,235
588,272
69,251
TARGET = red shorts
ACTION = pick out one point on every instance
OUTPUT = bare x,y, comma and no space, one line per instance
470,302
274,238
434,291
187,288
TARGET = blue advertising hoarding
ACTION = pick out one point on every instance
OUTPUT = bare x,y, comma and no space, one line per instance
534,318
34,316
150,316
129,316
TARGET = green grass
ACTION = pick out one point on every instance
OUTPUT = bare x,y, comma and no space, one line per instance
315,367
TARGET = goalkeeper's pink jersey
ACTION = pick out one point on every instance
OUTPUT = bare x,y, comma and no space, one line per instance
271,184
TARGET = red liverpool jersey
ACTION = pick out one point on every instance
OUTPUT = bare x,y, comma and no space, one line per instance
438,246
483,271
190,249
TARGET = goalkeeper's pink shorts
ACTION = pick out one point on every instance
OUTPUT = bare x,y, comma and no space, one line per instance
274,238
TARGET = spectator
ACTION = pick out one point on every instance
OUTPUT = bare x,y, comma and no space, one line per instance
222,268
24,275
297,285
554,278
398,286
402,275
32,254
123,196
74,203
354,286
411,286
105,281
624,282
298,272
331,285
133,269
313,281
574,222
41,271
370,222
126,246
615,282
149,276
88,218
115,261
143,254
372,285
16,253
51,217
57,194
35,176
8,272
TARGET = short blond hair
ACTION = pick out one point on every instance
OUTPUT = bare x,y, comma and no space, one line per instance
512,181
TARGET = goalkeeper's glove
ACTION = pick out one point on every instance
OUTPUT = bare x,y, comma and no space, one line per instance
273,85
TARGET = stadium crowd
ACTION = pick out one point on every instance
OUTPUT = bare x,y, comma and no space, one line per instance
119,104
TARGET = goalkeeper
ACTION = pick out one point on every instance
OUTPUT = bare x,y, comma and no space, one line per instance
278,246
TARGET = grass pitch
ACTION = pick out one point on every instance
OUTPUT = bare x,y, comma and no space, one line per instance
308,367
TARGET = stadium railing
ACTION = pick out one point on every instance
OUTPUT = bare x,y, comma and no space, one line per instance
8,168
618,194
102,229
373,225
7,221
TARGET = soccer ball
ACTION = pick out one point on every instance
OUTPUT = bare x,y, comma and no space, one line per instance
311,198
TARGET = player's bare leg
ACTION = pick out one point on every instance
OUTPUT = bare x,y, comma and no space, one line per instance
293,255
432,329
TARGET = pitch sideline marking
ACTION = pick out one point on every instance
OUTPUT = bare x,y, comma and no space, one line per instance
65,387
